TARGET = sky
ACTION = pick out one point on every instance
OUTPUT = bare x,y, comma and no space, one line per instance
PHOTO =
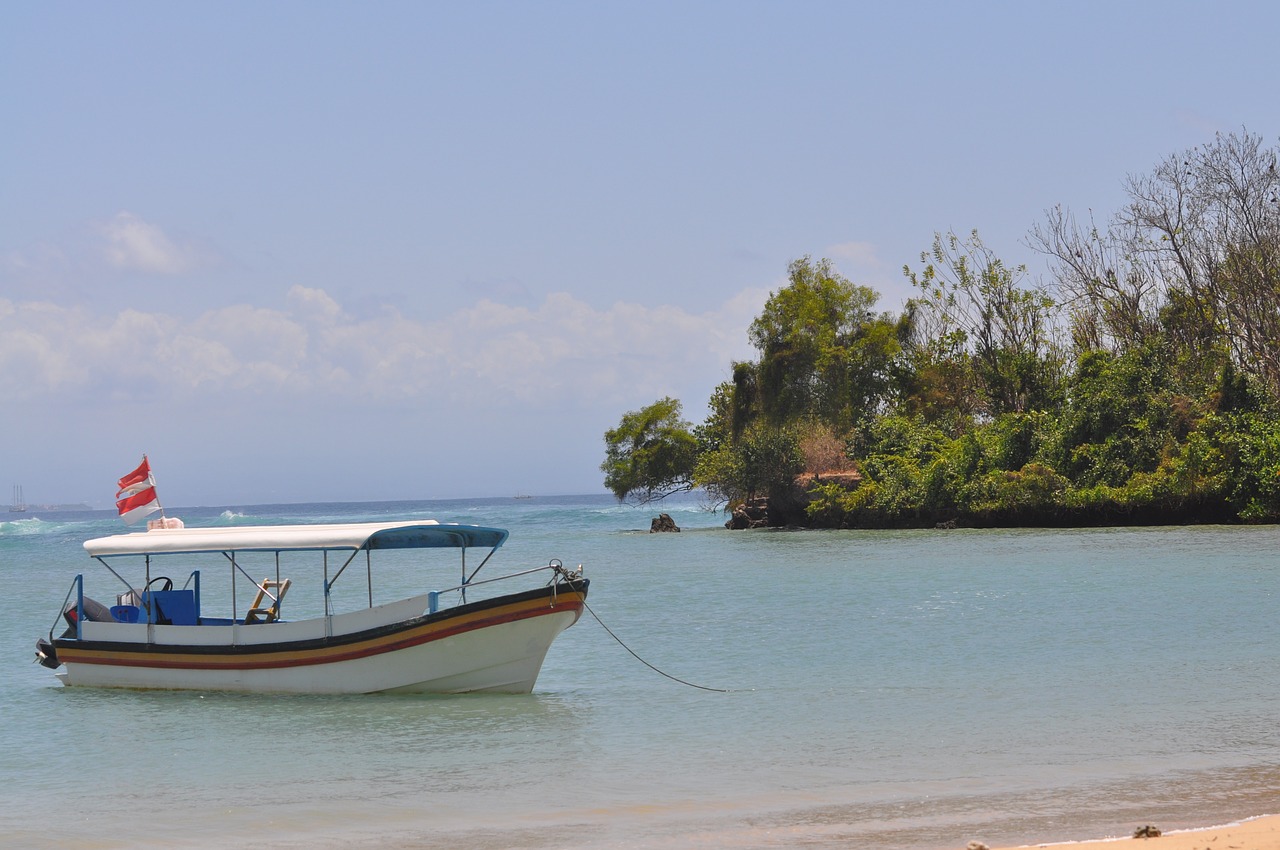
331,251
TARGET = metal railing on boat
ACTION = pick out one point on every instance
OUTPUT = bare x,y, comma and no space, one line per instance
433,596
77,587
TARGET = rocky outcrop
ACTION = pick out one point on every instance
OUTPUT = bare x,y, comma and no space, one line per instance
663,522
753,513
787,509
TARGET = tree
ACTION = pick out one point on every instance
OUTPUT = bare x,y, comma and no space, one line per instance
1210,220
824,353
935,379
1124,416
763,462
651,454
1248,285
1112,295
972,306
1194,256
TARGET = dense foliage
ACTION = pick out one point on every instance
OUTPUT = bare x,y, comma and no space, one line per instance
650,454
1139,385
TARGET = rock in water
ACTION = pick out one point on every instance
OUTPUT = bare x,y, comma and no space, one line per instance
752,514
663,522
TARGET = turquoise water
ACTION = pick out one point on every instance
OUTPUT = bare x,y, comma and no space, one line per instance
908,690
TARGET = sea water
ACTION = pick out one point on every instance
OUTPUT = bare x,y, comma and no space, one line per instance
903,690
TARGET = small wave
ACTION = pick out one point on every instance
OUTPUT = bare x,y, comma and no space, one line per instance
28,525
688,508
691,510
34,526
614,510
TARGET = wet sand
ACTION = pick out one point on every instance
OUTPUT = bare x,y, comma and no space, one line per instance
1261,833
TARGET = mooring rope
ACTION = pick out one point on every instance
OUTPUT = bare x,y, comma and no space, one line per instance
646,663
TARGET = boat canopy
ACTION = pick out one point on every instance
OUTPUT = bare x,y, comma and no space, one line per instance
414,534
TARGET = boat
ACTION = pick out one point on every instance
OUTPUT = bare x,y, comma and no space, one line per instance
19,504
486,635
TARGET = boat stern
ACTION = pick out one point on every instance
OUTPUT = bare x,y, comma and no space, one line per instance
46,655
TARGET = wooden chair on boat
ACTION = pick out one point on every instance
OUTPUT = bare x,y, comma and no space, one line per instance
268,613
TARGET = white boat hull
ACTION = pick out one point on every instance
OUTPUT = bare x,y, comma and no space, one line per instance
496,646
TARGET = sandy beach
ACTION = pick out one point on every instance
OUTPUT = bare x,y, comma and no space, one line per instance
1262,833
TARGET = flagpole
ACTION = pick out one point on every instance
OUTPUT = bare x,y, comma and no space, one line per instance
153,484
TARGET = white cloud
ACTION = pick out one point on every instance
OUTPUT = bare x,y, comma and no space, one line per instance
136,245
315,303
563,353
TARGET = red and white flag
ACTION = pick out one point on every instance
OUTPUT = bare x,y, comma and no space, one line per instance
139,479
137,497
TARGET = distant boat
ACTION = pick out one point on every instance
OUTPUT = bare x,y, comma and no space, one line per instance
19,506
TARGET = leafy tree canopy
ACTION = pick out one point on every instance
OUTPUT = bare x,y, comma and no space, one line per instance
651,454
824,353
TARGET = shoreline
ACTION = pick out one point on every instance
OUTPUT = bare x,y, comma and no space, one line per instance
1261,832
